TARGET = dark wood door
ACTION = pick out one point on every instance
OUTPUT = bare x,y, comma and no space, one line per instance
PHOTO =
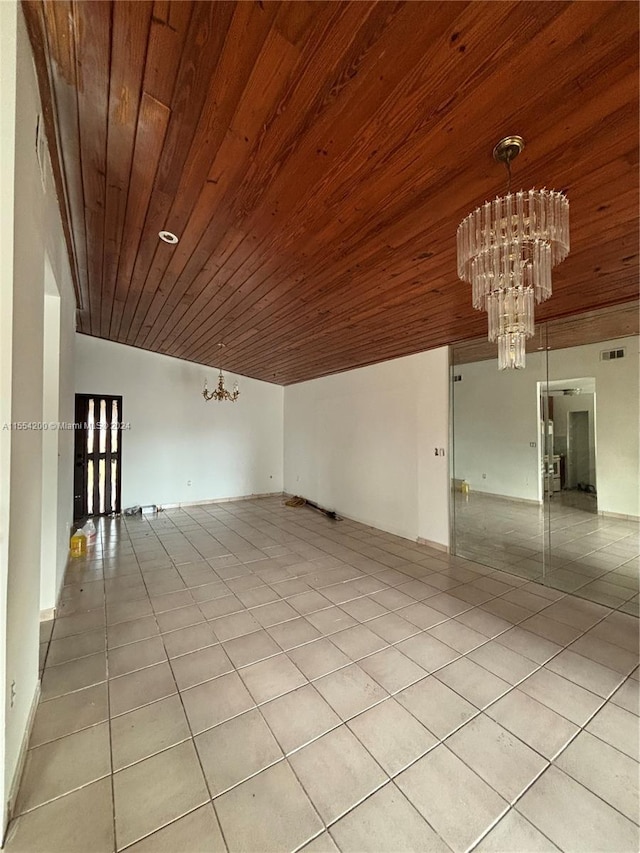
98,454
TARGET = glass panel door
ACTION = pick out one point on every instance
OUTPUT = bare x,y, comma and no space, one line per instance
499,459
545,461
594,507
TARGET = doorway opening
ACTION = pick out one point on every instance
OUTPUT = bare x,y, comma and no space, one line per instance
98,454
568,452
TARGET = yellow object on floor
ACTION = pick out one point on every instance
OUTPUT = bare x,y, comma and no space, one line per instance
78,545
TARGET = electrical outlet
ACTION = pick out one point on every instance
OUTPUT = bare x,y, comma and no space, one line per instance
532,444
188,482
484,476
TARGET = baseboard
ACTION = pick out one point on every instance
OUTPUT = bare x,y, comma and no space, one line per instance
619,515
220,500
365,522
22,757
531,501
48,614
437,546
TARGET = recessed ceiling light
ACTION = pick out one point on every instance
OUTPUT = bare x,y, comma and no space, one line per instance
168,237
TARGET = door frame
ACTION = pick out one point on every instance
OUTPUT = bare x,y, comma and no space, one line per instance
81,459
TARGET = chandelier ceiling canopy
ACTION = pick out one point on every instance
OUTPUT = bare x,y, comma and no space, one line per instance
506,249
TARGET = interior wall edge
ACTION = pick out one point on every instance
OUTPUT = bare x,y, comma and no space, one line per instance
22,756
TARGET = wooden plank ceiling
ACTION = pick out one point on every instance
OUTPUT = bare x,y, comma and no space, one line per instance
315,160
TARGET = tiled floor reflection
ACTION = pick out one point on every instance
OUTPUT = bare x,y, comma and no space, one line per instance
593,556
251,677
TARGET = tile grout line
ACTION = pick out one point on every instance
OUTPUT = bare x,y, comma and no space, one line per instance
551,763
108,686
389,645
195,748
211,797
191,739
447,618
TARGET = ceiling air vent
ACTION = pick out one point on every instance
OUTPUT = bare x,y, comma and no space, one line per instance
611,354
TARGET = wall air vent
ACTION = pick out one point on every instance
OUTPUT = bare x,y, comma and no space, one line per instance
611,354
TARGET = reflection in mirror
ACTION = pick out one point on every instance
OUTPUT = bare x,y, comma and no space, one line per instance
545,460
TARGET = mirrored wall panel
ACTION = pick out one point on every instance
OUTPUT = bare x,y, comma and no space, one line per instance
545,461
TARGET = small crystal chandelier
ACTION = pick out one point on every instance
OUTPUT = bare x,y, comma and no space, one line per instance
221,393
506,249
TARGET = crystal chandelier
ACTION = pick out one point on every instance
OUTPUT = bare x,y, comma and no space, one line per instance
506,249
220,392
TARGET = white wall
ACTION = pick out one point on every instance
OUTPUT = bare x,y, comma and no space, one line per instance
8,48
362,443
66,411
50,414
495,419
225,449
617,418
32,231
58,406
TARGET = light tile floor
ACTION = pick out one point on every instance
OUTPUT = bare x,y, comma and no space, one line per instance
251,677
565,546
